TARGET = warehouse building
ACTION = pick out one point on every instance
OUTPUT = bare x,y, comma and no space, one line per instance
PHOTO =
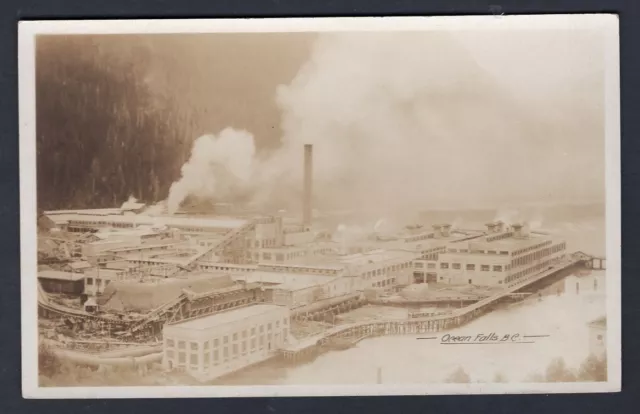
222,343
501,257
54,281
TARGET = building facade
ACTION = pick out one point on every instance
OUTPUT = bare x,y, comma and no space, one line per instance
222,343
500,257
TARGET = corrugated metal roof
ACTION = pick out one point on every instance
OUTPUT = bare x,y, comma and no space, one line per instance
58,275
223,318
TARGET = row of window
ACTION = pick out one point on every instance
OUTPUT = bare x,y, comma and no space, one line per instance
501,252
226,353
89,282
419,237
532,248
262,243
298,269
383,271
235,337
533,269
532,257
386,282
499,236
472,267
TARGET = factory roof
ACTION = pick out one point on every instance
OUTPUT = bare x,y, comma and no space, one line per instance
511,243
223,318
376,256
58,275
280,277
133,295
141,219
300,284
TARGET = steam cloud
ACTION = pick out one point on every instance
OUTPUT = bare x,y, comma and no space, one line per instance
219,167
396,125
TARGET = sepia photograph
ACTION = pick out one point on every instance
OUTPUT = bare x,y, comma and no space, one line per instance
320,206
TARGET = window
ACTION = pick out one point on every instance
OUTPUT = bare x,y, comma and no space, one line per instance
261,328
170,353
456,265
235,336
181,345
89,281
485,268
599,337
225,340
216,357
182,358
193,359
285,321
253,331
261,341
170,343
235,350
444,265
431,265
253,344
471,267
269,327
244,346
419,265
225,353
497,268
194,346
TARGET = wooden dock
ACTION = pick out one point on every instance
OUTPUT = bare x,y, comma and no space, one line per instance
427,324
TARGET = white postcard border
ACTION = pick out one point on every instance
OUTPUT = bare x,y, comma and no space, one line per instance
28,207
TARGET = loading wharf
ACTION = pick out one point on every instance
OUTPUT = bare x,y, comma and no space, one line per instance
357,331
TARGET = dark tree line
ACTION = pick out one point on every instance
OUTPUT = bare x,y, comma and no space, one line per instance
101,134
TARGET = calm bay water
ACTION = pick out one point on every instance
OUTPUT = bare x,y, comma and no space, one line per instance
562,312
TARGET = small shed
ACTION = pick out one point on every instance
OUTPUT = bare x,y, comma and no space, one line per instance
91,305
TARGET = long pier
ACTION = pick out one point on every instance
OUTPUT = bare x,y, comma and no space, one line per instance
422,324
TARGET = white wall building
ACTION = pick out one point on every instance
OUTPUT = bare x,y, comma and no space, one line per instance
501,257
225,342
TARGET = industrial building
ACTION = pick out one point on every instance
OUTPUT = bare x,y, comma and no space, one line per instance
219,344
503,256
54,281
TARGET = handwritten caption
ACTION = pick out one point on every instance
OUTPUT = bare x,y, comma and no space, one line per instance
487,338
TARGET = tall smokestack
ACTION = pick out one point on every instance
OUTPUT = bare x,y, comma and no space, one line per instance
308,185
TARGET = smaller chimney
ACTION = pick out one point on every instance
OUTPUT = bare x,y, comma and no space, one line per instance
437,233
307,190
445,230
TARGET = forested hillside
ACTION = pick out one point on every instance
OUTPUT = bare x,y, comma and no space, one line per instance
117,115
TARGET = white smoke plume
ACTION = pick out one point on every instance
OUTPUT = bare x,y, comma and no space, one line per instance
405,121
219,167
396,126
129,203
